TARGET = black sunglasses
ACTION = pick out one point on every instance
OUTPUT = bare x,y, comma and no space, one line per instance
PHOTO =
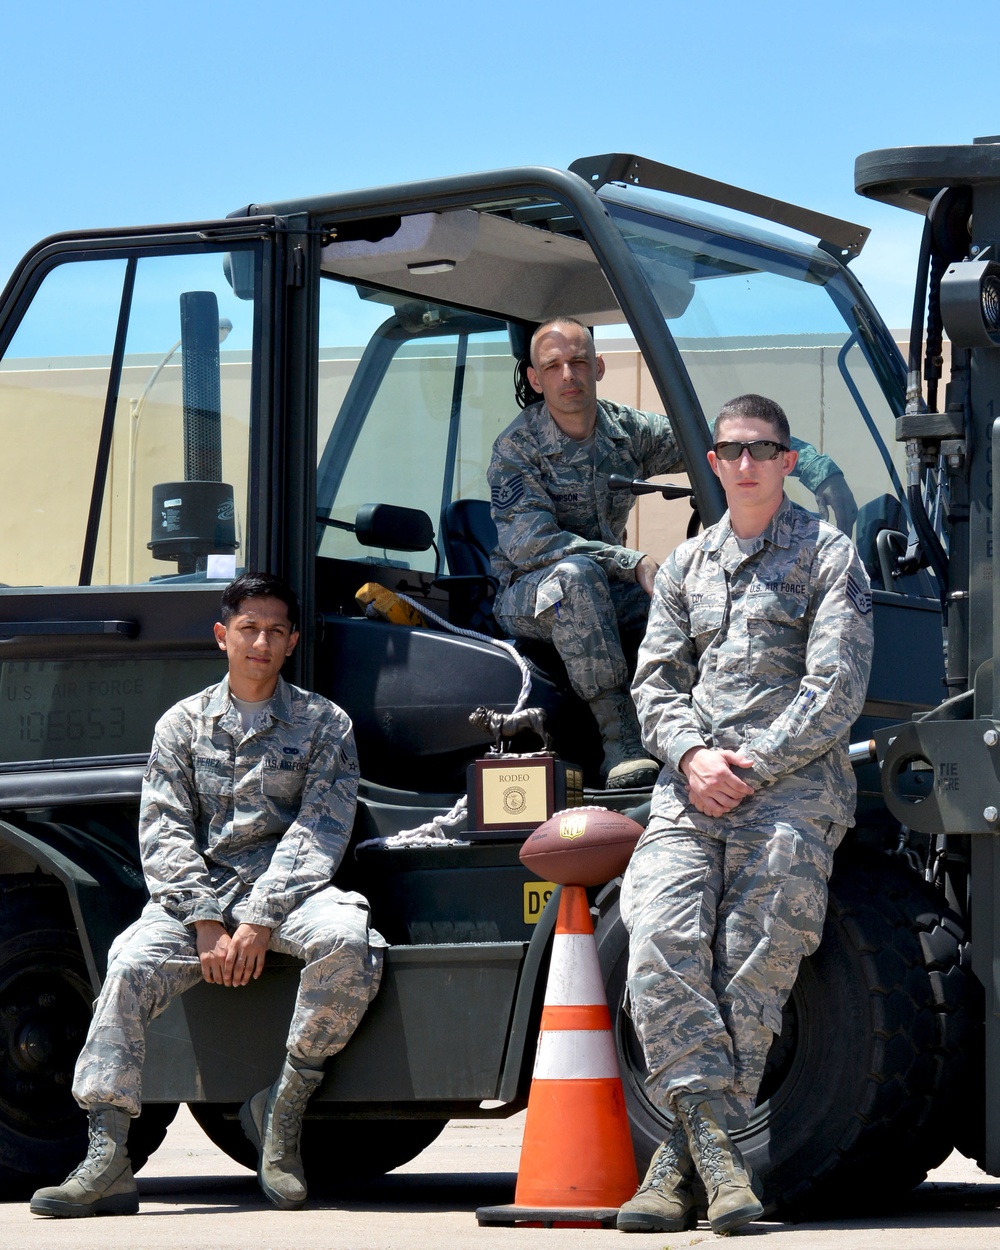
761,449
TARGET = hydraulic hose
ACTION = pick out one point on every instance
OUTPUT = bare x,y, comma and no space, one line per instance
913,390
935,330
937,557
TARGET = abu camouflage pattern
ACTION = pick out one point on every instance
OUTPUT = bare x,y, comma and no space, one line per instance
565,575
239,827
263,816
767,652
587,614
550,494
156,959
717,928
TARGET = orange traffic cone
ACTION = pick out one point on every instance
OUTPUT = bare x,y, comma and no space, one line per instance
577,1164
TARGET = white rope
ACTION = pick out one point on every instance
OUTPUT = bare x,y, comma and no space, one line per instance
503,644
434,832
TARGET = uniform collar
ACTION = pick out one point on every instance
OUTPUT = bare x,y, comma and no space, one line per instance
281,702
280,707
553,442
778,531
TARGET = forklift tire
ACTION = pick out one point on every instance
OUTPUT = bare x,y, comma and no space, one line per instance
45,1007
858,1098
333,1150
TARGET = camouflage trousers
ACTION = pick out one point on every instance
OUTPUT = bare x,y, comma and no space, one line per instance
717,928
576,607
156,959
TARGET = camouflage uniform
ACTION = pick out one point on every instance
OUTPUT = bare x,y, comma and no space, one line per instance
769,653
238,827
564,574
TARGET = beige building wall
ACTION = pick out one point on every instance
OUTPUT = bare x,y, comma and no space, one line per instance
656,525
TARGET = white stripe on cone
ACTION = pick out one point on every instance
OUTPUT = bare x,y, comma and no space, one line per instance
575,972
575,1054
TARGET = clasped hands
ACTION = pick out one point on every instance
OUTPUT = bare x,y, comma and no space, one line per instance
231,959
714,786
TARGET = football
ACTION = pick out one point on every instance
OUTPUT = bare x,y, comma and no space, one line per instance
581,846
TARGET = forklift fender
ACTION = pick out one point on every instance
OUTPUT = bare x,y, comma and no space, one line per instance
515,1079
88,897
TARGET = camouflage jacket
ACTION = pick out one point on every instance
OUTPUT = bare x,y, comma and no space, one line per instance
550,496
767,652
266,814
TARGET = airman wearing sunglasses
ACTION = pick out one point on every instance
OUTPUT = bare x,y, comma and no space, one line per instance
753,669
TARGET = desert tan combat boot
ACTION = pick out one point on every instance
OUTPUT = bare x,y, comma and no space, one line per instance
626,765
103,1184
272,1120
731,1199
663,1202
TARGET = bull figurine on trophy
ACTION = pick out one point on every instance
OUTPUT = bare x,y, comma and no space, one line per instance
505,726
512,793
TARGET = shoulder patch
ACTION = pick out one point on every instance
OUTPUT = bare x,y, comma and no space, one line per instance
507,493
859,597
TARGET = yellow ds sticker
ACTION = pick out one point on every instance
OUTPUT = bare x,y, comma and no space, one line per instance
536,895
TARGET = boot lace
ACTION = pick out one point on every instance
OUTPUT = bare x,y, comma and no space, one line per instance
98,1143
711,1157
288,1115
670,1161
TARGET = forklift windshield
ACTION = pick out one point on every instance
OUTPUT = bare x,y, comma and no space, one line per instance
757,312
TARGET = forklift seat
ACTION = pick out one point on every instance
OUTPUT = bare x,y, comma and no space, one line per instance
468,536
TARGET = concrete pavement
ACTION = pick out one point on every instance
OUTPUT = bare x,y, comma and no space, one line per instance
195,1198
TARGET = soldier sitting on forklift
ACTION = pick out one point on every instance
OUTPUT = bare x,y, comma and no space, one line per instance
247,806
565,575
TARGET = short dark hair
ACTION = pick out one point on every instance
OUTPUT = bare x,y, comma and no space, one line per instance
755,408
556,321
259,586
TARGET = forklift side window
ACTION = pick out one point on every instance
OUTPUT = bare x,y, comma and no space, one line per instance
749,316
407,419
53,384
125,430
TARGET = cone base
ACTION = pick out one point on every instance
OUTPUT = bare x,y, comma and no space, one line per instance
548,1217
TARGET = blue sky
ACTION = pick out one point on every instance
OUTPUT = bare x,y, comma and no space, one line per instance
124,113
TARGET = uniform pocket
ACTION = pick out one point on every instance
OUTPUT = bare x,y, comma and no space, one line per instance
706,619
777,638
283,783
213,778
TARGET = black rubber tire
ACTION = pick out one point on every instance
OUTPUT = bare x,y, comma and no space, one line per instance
858,1098
45,1003
333,1151
45,1007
